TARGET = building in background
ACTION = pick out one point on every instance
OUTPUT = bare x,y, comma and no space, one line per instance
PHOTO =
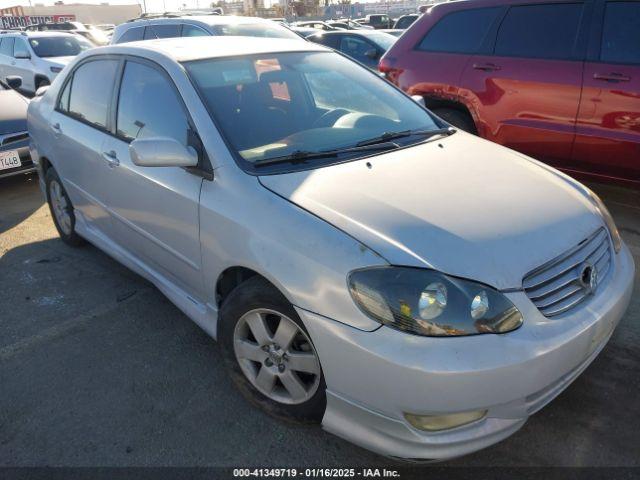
104,13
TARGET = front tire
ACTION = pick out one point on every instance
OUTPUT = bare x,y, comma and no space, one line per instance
269,354
61,209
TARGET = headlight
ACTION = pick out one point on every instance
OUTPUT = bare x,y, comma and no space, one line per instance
608,219
426,302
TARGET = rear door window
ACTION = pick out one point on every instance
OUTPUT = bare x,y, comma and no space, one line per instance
540,31
621,33
132,35
460,32
6,46
328,40
90,91
356,47
193,31
162,31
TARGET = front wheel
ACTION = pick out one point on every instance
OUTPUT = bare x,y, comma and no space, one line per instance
269,353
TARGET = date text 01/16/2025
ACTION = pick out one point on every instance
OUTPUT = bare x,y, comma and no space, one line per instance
315,473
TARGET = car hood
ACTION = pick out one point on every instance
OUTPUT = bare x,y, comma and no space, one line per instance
13,112
460,205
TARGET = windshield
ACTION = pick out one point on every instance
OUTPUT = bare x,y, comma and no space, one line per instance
59,46
254,30
273,105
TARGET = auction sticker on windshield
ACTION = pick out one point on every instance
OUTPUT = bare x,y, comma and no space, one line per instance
9,159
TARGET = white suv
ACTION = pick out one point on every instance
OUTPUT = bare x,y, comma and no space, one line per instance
37,57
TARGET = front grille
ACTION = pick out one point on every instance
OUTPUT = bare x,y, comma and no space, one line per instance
13,138
559,285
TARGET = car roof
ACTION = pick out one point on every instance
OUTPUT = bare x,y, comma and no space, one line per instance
36,34
202,19
197,48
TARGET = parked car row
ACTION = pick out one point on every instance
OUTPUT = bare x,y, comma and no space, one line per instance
14,137
558,81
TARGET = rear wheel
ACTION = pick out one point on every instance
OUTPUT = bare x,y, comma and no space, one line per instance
61,209
269,353
457,118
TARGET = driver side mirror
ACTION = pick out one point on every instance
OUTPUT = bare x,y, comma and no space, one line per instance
14,82
22,54
372,54
162,152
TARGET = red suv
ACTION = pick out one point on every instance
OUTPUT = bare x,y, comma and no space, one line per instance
557,80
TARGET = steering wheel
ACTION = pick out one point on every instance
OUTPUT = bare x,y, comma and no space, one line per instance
327,119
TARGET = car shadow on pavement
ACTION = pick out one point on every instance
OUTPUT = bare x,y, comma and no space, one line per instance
17,199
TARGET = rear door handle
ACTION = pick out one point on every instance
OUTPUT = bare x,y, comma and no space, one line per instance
111,158
611,77
56,129
486,67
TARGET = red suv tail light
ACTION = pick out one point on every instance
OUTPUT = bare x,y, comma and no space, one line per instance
390,72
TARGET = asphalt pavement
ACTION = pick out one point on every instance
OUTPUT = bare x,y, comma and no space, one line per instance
98,368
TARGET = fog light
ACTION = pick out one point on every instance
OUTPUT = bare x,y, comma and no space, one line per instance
434,423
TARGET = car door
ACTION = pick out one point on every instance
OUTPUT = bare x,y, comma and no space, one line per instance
526,93
22,64
608,125
79,126
155,209
358,48
6,56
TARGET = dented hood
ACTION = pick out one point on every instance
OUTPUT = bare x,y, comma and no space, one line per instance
460,205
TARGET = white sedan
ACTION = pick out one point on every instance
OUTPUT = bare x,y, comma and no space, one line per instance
416,289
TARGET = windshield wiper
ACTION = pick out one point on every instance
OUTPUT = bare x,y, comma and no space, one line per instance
387,136
300,156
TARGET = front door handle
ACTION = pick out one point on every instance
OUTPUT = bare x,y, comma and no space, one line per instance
111,158
486,67
56,129
611,77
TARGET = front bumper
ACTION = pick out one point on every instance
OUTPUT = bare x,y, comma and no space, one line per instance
373,377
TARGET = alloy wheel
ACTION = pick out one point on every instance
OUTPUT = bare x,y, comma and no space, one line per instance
60,206
276,356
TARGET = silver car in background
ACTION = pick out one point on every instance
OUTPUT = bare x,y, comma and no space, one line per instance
173,26
416,289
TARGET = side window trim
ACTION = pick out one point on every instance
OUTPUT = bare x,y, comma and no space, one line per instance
488,42
578,53
70,77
